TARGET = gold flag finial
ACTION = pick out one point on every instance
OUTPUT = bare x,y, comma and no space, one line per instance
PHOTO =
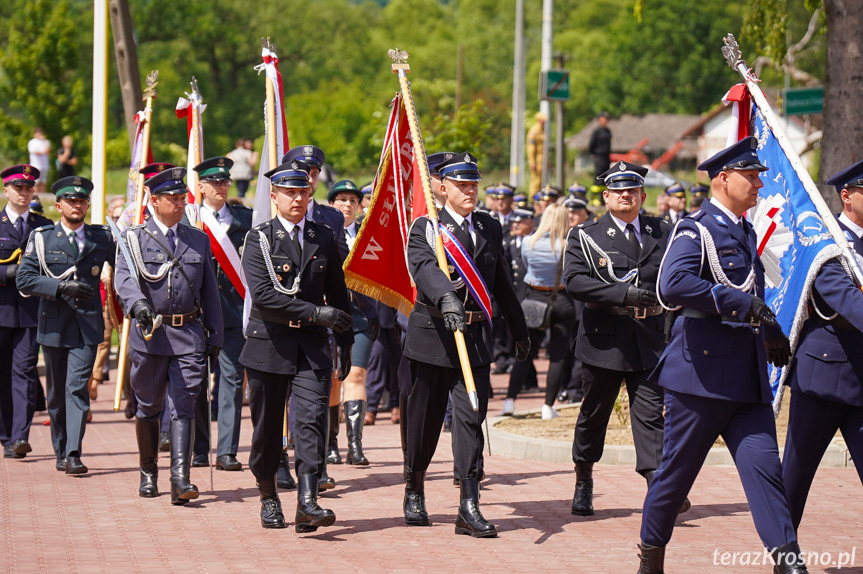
731,51
152,82
400,60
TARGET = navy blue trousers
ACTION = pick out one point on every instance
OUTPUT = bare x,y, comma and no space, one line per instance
692,425
19,352
179,377
812,424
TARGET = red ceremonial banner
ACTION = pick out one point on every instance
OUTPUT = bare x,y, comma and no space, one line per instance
377,264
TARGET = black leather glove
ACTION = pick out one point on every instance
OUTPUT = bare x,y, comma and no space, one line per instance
76,290
374,329
779,351
759,312
453,312
212,355
11,272
636,297
143,312
522,349
332,318
344,362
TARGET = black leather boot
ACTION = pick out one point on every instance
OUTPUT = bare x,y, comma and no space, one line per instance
582,501
271,507
355,412
787,559
652,559
147,433
470,520
182,491
284,479
415,499
333,456
310,516
683,507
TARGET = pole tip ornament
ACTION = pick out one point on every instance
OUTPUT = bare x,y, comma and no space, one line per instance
731,51
400,59
266,44
150,90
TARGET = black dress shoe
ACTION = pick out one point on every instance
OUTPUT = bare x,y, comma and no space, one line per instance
74,465
200,460
228,462
60,464
326,483
21,446
9,452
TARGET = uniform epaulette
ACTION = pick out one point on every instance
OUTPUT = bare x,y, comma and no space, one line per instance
196,230
485,214
241,206
696,216
45,227
139,226
264,225
588,223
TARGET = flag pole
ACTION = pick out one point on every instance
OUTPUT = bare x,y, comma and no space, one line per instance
195,100
149,96
271,119
734,58
401,67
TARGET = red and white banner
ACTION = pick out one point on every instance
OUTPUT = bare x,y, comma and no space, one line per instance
741,112
262,209
377,265
225,252
192,110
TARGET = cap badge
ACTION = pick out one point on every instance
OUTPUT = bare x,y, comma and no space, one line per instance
177,173
26,169
308,151
349,185
221,162
76,181
621,166
466,158
161,167
295,165
610,232
447,156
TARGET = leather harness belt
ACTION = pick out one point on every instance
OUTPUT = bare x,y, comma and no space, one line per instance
470,316
180,320
632,312
255,314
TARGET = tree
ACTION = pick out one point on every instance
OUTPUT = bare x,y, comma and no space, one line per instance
41,85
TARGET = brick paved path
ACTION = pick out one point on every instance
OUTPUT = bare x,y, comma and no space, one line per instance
50,522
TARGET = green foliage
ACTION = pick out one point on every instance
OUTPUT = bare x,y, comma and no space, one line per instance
40,85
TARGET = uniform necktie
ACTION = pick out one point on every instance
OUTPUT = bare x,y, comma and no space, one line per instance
19,224
171,241
633,240
468,245
295,239
73,242
216,215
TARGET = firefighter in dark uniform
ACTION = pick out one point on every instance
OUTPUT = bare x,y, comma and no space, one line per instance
714,369
18,315
443,305
611,265
291,265
170,290
62,265
826,375
214,181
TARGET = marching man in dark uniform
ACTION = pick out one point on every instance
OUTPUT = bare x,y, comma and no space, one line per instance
676,194
214,181
18,315
611,265
170,289
62,265
826,375
444,305
714,370
291,265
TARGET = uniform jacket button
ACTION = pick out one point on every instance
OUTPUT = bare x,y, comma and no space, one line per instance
824,355
706,352
734,313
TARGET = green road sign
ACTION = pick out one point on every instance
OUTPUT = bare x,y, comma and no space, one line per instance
799,101
554,85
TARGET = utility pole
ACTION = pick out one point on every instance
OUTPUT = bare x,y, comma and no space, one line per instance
516,145
545,65
126,54
559,160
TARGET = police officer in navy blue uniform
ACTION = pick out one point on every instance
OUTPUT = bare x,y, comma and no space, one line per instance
292,264
62,265
443,306
170,290
676,203
714,369
18,315
826,375
214,181
611,265
314,158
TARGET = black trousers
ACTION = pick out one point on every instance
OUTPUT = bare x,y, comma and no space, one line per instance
426,406
311,396
601,387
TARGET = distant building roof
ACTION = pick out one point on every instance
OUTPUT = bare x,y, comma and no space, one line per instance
661,130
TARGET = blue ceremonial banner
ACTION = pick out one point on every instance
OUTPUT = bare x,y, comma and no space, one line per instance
792,240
